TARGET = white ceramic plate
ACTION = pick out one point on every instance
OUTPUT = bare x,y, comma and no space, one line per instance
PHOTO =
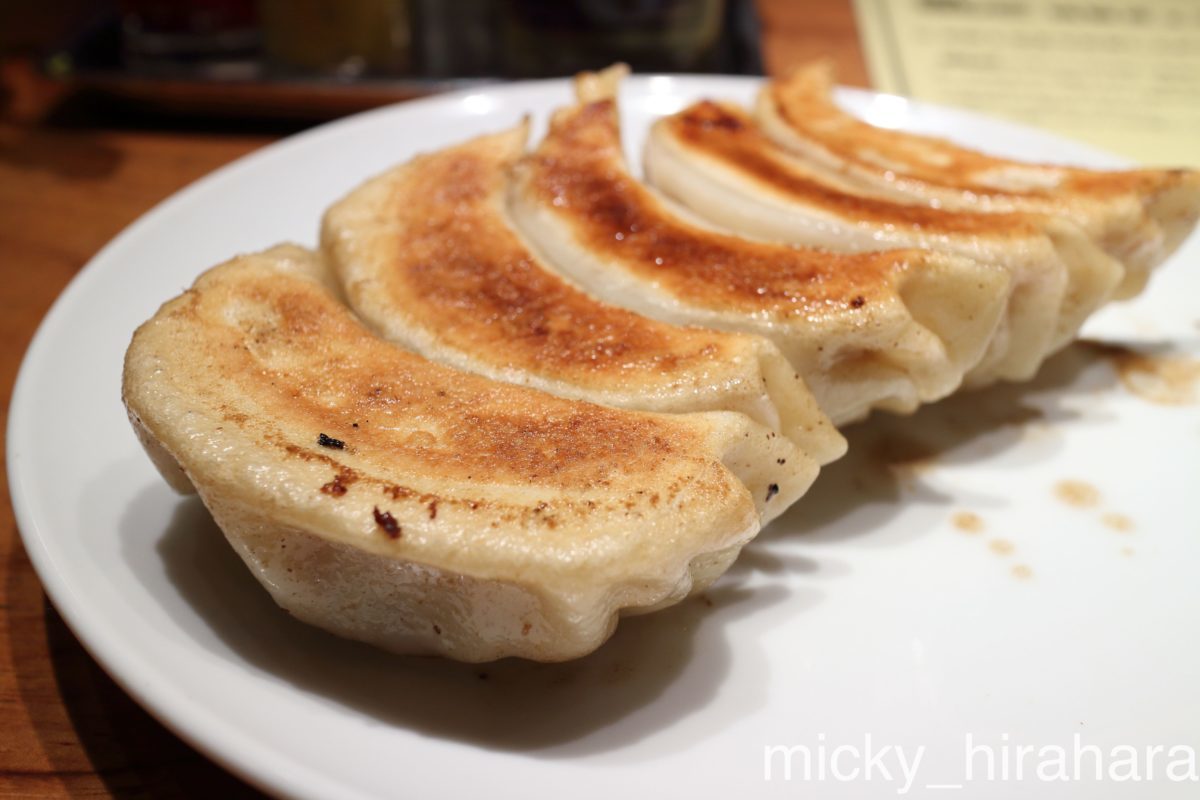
863,620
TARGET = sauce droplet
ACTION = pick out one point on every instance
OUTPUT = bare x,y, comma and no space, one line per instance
1118,522
1001,547
1077,493
968,522
1162,380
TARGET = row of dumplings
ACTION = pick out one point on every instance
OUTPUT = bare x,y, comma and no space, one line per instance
605,388
887,270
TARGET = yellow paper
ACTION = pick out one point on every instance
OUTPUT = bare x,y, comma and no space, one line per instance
1120,74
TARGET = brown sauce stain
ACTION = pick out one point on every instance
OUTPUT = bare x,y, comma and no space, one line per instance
1022,572
1001,547
1127,552
1118,522
903,455
968,522
1078,494
1162,380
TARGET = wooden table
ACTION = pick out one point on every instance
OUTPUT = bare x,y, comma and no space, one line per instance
69,183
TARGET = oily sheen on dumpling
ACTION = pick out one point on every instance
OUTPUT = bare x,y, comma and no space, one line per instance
407,504
1138,216
712,158
426,256
885,330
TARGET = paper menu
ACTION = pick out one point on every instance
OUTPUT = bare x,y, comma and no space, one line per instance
1121,74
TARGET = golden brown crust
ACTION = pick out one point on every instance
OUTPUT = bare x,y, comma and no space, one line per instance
460,271
880,329
1138,217
715,159
802,100
426,255
306,361
727,134
615,215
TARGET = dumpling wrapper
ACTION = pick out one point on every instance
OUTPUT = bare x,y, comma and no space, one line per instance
424,510
1138,216
426,256
887,330
712,158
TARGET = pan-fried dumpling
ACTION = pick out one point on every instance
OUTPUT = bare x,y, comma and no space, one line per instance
874,330
712,158
426,510
1138,216
426,257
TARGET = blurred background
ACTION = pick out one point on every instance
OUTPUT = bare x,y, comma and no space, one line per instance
317,59
1122,74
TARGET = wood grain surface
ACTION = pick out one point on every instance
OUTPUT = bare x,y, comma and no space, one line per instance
72,175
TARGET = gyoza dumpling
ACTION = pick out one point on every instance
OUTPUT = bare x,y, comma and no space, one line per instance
883,330
426,256
427,510
1137,216
713,158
